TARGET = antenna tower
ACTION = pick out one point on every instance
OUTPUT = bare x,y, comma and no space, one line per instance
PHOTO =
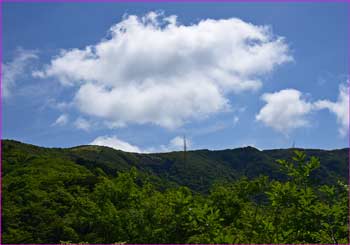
185,148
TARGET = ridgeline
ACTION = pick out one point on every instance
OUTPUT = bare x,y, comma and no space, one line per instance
201,169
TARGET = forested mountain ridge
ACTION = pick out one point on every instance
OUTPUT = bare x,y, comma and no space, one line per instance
201,169
94,194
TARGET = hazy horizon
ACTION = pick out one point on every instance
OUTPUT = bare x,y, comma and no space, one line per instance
179,150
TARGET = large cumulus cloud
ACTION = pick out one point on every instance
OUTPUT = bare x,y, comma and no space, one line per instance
152,69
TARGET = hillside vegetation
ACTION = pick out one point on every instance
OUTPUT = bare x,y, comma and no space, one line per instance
96,194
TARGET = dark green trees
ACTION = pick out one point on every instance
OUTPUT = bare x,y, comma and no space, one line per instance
48,200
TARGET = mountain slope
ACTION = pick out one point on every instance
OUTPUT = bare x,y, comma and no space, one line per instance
198,172
84,195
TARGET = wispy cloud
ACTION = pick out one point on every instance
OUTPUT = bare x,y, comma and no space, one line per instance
61,120
340,108
15,69
83,124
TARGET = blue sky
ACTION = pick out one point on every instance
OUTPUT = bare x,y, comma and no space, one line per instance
226,74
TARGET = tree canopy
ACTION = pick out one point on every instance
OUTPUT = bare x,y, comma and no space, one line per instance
54,200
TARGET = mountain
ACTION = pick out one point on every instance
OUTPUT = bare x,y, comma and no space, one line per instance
98,195
200,170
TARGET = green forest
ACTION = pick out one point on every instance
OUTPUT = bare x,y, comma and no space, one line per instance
93,194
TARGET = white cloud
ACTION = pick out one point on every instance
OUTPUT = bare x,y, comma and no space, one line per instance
284,110
14,70
340,108
83,124
235,120
61,120
114,142
177,143
154,70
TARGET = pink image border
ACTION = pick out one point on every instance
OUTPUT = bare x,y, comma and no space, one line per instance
162,1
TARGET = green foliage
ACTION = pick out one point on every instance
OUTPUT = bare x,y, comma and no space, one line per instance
48,198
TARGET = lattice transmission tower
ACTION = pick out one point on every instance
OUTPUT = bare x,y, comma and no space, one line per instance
185,148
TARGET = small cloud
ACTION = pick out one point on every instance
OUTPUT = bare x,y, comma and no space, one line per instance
287,109
175,144
284,110
116,143
38,74
235,120
61,120
83,124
